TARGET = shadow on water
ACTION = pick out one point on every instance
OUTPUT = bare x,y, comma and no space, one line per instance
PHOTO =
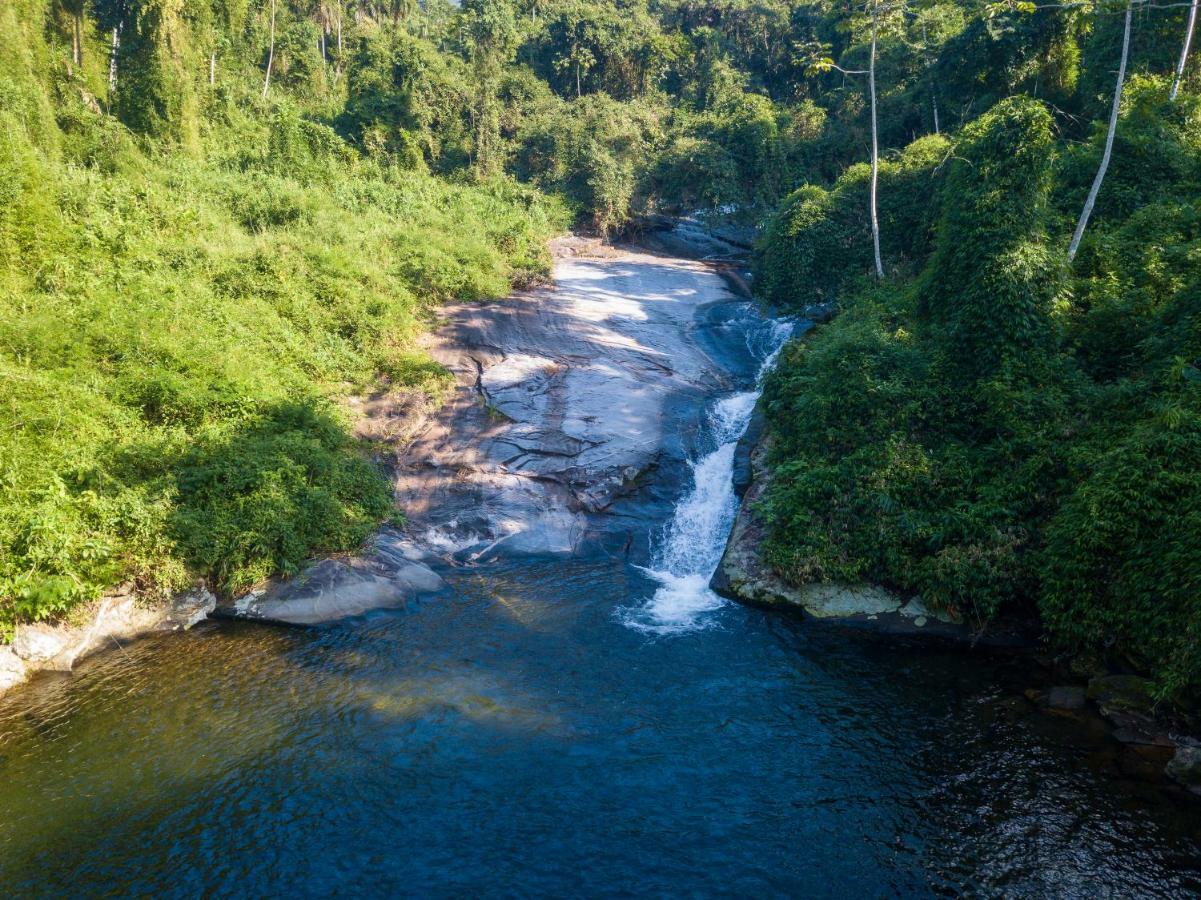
514,737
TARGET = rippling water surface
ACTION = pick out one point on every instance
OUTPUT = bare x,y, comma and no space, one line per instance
518,738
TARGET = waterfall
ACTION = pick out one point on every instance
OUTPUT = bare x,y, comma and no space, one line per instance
691,544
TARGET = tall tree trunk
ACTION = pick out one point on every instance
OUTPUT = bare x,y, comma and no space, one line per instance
1113,127
1188,39
270,53
212,68
578,91
77,35
871,81
112,60
929,68
338,67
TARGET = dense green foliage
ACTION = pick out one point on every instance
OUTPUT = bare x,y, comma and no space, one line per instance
181,313
992,427
220,218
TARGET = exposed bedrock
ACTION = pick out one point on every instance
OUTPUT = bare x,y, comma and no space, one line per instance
569,432
577,406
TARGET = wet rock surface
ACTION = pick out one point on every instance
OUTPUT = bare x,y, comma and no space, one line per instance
388,576
570,399
107,624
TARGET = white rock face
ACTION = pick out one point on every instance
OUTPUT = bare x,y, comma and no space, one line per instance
111,621
384,578
13,669
568,396
40,643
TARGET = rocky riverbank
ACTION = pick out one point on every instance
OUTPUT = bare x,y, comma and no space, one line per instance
569,432
576,408
1104,709
103,625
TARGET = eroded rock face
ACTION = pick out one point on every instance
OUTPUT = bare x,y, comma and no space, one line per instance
569,398
107,623
388,576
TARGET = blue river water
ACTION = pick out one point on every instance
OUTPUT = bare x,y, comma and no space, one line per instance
518,738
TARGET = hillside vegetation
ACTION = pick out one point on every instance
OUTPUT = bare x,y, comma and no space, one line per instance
993,425
220,218
191,279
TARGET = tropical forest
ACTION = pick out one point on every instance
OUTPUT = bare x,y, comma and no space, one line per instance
692,447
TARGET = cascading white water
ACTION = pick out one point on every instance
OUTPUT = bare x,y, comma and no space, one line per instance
692,542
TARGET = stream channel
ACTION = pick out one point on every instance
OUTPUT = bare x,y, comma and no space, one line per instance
574,712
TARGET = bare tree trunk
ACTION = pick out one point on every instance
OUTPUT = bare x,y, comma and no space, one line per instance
578,91
1113,127
871,81
933,86
77,35
1188,39
270,53
212,68
338,67
112,60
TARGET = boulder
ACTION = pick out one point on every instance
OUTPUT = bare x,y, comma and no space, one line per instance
1066,697
39,643
1121,692
1185,766
189,608
13,669
338,589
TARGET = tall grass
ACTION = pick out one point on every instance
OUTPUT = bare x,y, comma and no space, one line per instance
177,330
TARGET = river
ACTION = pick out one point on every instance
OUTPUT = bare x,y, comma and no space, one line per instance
594,723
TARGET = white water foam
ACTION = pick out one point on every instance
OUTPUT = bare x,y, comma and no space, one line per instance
692,543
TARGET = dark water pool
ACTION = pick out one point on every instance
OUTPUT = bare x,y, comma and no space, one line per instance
518,739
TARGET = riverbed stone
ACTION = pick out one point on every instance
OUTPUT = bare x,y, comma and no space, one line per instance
1121,692
334,589
1185,766
13,669
38,642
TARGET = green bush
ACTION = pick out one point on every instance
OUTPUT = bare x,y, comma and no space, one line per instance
819,242
177,331
917,434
